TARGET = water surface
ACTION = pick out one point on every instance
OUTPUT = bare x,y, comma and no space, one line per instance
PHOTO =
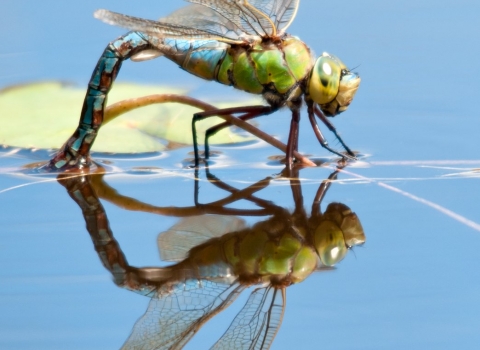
413,284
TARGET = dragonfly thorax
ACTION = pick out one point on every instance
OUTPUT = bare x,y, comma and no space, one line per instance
275,69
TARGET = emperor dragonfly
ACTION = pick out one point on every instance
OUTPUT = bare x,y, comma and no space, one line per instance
217,257
241,43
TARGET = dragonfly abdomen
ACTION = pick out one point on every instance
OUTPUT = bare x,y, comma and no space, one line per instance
201,57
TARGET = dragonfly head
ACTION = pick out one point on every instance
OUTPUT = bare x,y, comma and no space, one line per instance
332,85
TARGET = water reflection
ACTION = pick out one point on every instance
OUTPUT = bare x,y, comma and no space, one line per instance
218,256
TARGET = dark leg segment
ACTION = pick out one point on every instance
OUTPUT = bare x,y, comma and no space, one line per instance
332,128
76,151
319,135
214,129
292,144
322,190
251,111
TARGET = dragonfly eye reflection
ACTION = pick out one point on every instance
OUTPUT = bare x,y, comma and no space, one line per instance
216,256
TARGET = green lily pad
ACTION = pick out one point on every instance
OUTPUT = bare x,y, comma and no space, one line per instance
44,115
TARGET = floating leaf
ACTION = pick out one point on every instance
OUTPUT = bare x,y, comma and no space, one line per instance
44,115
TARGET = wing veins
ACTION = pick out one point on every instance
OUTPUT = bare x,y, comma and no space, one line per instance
255,327
232,11
273,329
228,21
161,29
230,18
255,17
253,9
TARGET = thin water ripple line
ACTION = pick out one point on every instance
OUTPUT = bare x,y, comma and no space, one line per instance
472,173
10,153
33,183
126,173
118,173
448,212
463,220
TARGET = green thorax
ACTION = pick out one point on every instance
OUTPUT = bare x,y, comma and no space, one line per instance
273,69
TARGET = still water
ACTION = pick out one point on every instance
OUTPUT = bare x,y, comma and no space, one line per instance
413,283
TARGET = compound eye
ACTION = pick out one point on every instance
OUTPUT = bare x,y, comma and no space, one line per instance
329,243
325,80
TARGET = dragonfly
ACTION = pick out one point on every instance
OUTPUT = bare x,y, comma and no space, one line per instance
239,43
217,257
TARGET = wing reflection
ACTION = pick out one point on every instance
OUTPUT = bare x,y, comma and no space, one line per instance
217,256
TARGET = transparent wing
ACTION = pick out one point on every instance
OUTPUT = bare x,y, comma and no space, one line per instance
256,325
230,21
242,15
255,17
176,313
218,16
169,29
280,12
175,243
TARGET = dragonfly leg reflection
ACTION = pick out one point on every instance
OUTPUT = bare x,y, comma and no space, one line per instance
236,195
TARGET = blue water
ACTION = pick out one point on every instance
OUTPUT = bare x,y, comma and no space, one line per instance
414,284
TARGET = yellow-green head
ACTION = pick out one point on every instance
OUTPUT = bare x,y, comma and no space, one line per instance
331,85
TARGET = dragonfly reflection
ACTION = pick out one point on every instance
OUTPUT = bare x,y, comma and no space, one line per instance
218,256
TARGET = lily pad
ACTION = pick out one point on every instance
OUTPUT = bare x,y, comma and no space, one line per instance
44,115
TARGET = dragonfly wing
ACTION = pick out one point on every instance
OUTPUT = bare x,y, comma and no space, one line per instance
203,24
255,17
208,19
176,313
230,21
175,243
281,12
241,14
256,325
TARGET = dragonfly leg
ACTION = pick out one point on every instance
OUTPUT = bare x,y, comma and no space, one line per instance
255,111
76,151
319,135
214,129
292,144
332,128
